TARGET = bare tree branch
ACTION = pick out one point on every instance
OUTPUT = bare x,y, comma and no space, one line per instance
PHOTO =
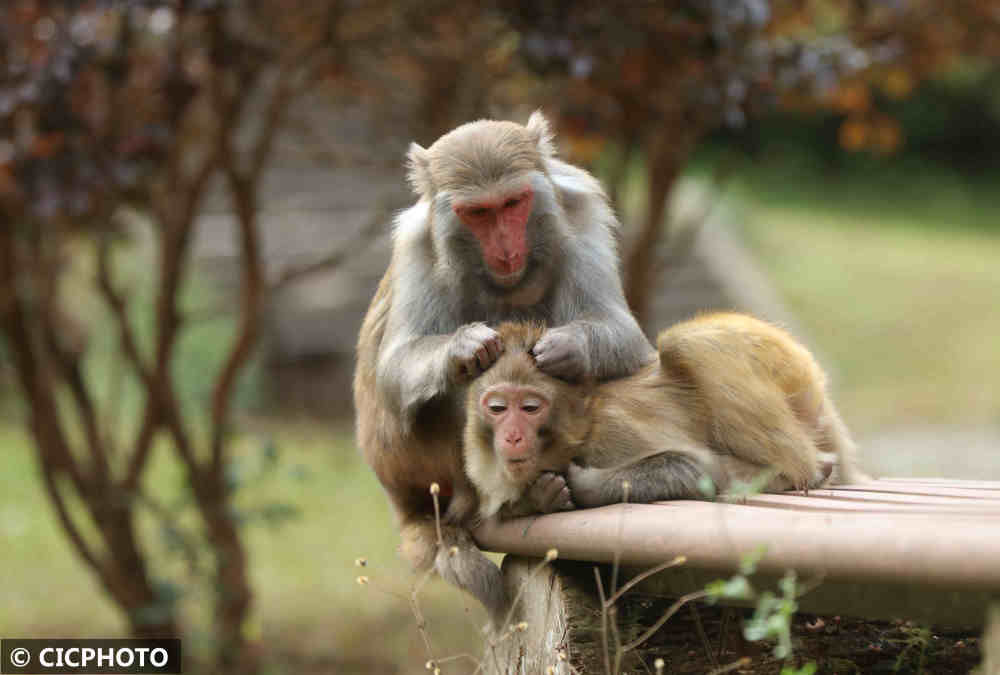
336,257
253,275
45,421
119,307
126,337
72,531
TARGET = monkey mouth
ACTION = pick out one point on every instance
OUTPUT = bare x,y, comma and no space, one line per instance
521,470
503,281
507,280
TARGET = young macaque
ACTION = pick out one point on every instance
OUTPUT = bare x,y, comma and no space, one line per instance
731,397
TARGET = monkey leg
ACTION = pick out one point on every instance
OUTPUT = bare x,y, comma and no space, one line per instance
458,560
667,475
740,470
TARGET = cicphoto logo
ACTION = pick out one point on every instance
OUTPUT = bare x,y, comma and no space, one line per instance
90,656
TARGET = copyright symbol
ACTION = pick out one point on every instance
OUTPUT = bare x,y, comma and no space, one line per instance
20,657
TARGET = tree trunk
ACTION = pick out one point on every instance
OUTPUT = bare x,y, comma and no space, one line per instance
129,583
663,166
237,654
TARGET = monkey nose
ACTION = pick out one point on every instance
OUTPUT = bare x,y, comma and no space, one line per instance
510,263
515,450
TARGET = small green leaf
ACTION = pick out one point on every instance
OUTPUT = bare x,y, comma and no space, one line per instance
749,561
707,487
787,584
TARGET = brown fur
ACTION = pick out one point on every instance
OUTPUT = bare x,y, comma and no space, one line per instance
732,397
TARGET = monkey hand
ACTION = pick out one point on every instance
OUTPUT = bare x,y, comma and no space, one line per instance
589,487
549,493
472,349
562,352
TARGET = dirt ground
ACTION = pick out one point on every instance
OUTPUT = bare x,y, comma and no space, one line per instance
837,645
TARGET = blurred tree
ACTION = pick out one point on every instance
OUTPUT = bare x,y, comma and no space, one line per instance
111,108
654,78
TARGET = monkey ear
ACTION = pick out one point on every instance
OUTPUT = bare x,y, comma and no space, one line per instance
418,168
540,132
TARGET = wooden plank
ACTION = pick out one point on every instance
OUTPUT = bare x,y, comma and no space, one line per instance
928,544
961,483
873,504
918,489
879,495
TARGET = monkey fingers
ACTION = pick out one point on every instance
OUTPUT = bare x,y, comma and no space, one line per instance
489,352
561,352
473,349
550,493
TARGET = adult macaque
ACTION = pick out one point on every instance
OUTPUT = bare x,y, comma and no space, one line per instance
502,230
731,397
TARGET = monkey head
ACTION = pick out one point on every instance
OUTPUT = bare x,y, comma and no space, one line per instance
519,415
487,184
520,421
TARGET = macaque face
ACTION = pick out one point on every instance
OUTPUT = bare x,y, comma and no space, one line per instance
517,415
500,225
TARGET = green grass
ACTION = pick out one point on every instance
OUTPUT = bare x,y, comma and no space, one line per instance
310,612
46,590
906,307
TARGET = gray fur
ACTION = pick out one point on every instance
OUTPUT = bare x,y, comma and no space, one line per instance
461,564
442,285
668,475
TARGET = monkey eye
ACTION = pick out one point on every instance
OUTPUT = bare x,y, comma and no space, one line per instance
478,211
531,405
496,405
513,201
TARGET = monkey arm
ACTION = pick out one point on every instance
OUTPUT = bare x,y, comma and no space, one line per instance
413,371
591,298
412,362
417,370
665,475
616,345
611,341
592,305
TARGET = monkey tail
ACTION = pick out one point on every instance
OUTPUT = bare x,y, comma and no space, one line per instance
459,562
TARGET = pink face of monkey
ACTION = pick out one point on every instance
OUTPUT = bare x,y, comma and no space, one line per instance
517,415
500,225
